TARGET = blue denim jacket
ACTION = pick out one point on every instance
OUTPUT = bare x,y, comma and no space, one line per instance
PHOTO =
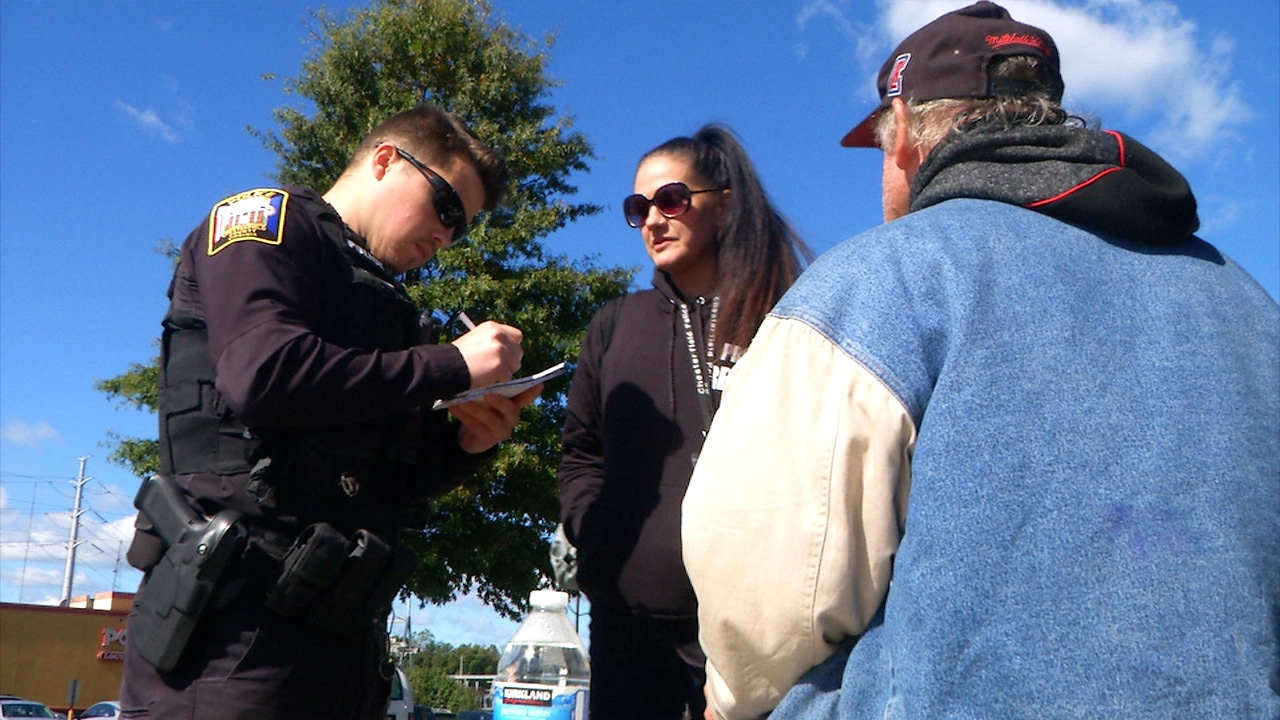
1094,514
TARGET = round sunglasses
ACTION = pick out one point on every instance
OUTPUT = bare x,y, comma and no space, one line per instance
672,200
445,199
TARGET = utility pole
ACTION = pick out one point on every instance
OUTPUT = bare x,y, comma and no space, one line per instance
115,572
26,548
75,532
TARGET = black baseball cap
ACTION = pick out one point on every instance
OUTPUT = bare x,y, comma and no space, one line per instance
950,58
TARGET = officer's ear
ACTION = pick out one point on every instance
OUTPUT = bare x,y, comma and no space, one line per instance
380,158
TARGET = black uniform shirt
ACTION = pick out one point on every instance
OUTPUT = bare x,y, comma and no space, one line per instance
314,349
256,272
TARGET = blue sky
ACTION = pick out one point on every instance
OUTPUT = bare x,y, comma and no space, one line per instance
122,122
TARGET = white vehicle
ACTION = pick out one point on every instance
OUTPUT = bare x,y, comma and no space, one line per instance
106,710
14,707
400,702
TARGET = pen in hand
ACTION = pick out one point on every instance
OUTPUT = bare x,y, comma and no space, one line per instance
492,353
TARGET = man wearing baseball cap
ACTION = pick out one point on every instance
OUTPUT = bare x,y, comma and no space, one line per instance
1014,453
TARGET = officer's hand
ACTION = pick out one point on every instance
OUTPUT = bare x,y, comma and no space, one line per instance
490,419
492,352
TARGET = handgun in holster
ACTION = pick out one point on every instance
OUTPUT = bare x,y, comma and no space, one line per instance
178,588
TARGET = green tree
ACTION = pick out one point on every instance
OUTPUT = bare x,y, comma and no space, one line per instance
137,388
435,689
433,663
460,660
488,536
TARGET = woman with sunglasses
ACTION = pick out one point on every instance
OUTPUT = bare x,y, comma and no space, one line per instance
648,381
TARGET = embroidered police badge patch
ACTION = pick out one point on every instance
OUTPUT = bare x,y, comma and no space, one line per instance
256,215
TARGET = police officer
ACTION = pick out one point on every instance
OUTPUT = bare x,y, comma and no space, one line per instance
295,395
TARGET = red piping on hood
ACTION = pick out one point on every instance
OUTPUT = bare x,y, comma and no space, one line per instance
1090,181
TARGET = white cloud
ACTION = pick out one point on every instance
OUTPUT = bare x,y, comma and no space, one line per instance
1142,61
113,499
826,13
119,530
33,565
35,522
149,120
33,539
1218,212
33,548
19,432
34,581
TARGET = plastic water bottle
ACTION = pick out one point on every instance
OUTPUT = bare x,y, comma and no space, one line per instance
543,673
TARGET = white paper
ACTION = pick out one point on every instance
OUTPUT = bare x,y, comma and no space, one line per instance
509,388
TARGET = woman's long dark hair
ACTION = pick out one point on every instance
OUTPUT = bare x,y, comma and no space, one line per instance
759,254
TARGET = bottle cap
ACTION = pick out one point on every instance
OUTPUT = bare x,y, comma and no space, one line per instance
549,599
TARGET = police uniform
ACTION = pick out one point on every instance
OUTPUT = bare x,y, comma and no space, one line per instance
296,382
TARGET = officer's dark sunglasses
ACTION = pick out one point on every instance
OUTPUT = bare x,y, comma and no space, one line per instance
447,203
672,200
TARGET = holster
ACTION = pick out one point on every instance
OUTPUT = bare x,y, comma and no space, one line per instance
178,588
337,583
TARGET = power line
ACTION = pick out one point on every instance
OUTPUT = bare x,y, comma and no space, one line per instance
102,530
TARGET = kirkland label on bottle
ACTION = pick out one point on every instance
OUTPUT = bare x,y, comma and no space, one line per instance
538,702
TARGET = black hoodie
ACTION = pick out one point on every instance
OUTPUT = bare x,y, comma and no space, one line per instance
633,427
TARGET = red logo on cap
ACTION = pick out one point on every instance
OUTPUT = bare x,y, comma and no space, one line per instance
893,87
996,41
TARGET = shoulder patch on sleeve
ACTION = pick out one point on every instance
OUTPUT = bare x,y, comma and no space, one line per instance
256,215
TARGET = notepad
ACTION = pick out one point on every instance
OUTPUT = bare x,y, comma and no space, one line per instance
509,388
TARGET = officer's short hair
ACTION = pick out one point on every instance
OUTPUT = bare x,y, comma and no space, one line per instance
439,137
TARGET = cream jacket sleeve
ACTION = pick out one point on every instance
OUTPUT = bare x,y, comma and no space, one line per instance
793,514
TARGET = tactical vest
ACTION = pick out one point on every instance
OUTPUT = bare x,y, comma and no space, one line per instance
303,473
